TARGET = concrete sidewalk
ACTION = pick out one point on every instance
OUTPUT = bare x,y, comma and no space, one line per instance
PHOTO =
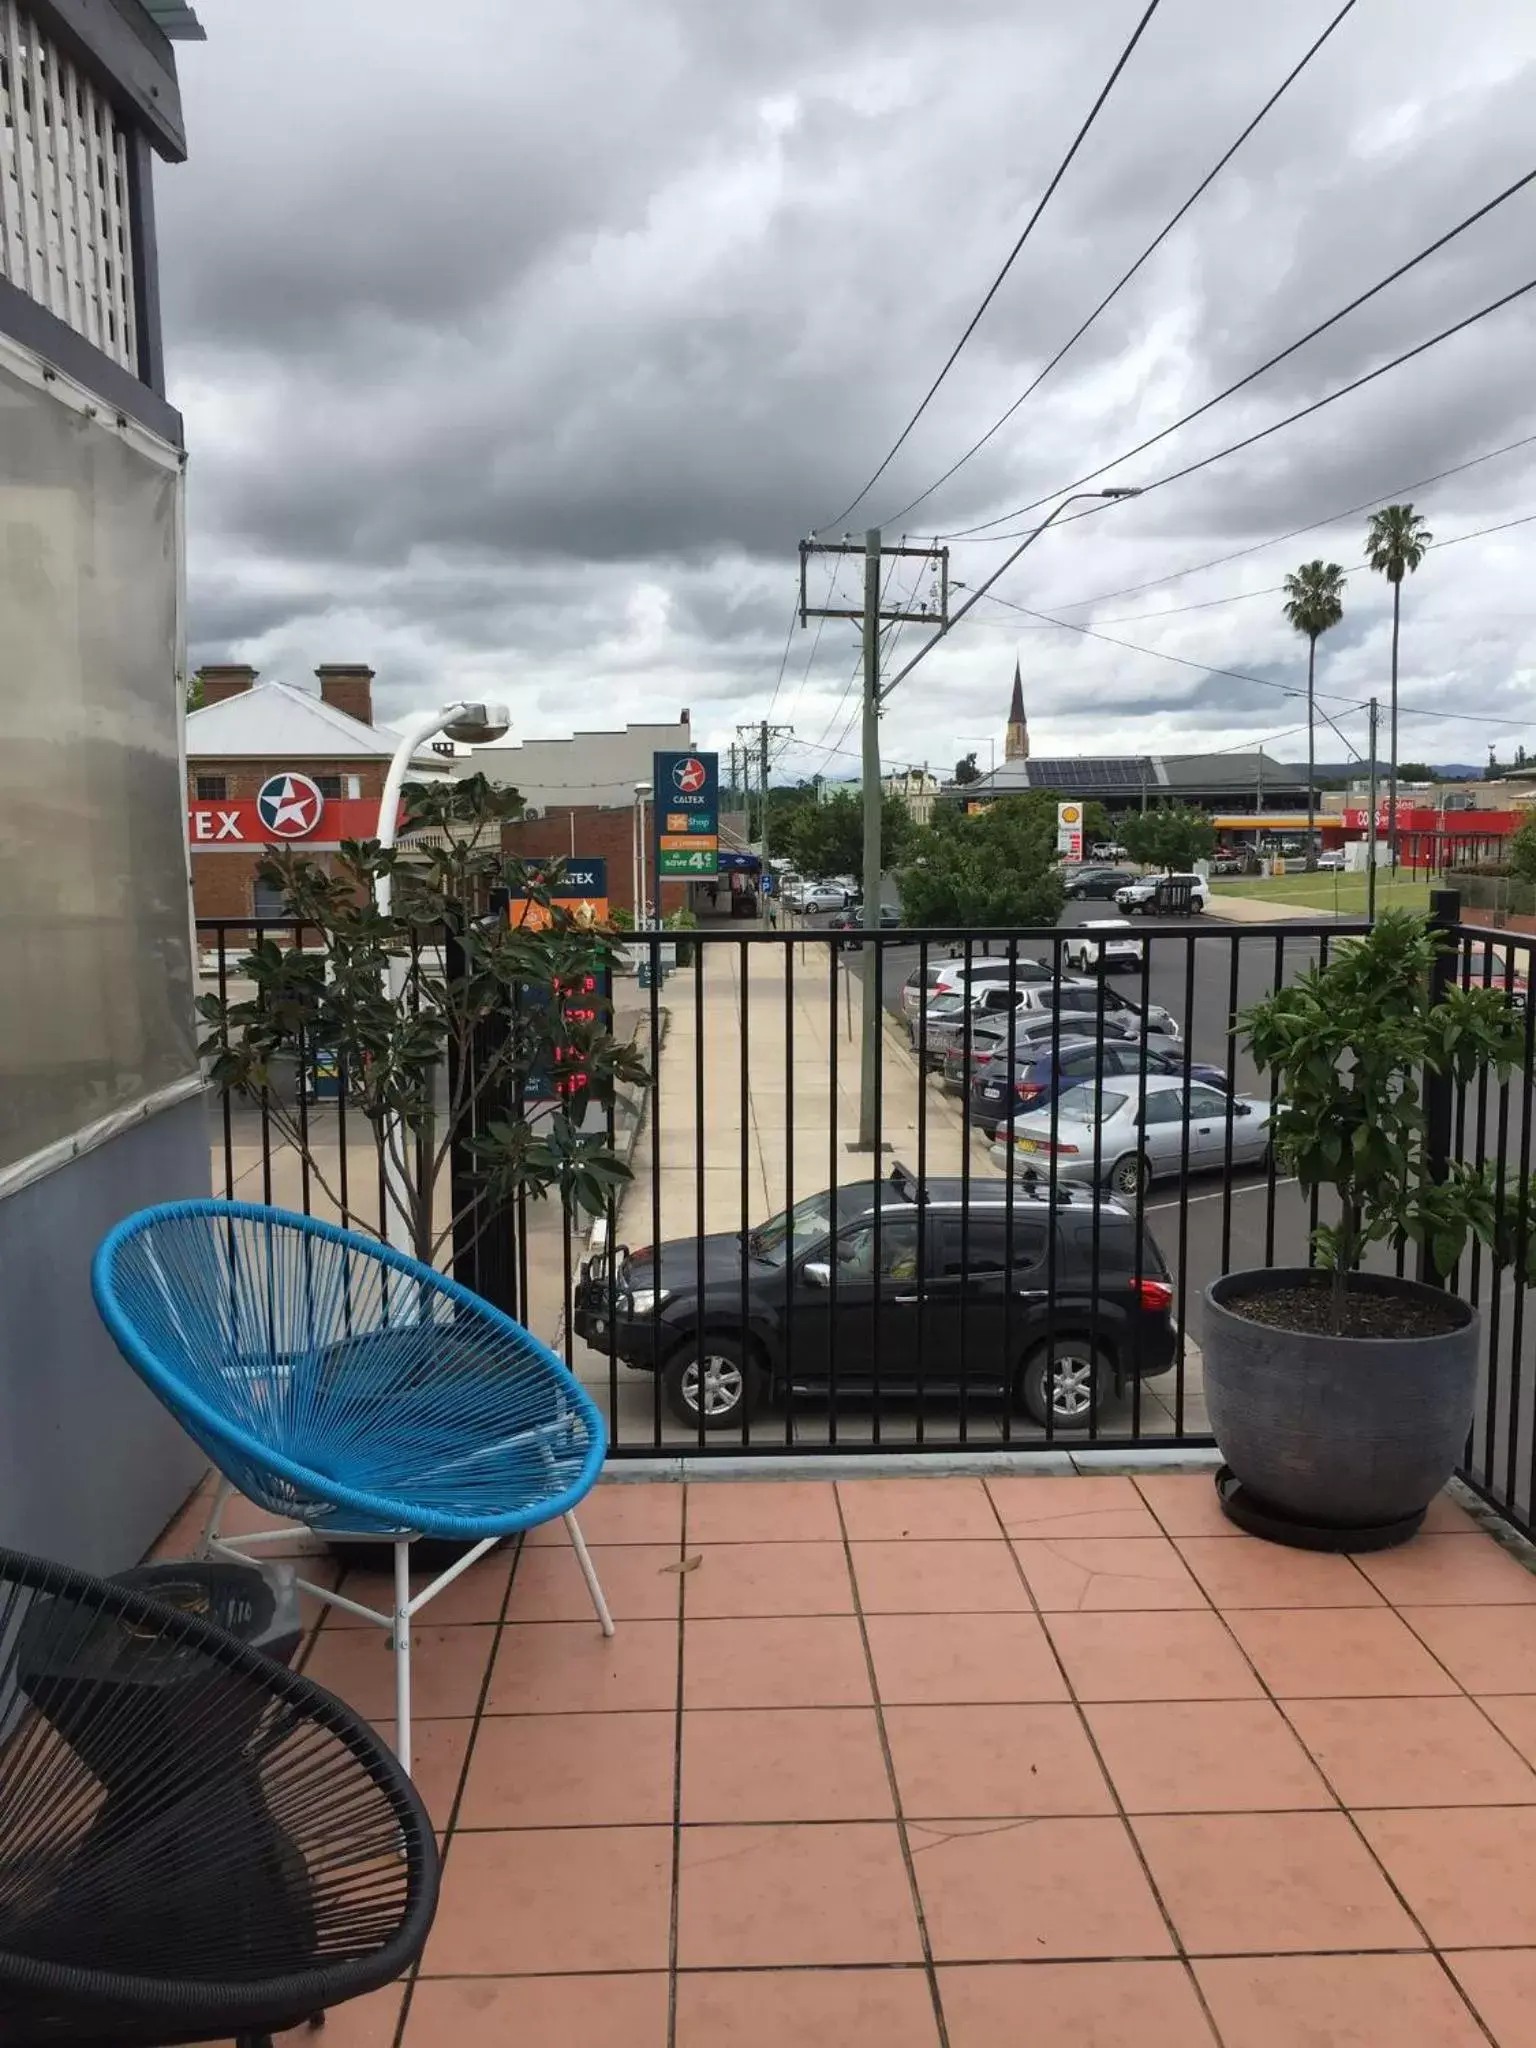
1256,910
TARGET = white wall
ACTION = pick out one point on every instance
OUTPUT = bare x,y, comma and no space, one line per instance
588,768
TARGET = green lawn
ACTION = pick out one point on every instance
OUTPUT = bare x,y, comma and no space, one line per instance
1344,893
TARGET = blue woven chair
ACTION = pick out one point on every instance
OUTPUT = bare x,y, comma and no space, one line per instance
346,1387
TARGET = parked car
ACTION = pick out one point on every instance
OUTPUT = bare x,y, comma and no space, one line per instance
1081,882
943,977
1234,861
933,1286
1100,944
813,897
1097,1134
1000,1095
943,1023
852,920
1331,862
1107,850
996,1039
1141,895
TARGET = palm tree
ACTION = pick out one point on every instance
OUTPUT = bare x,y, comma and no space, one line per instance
1314,601
1395,544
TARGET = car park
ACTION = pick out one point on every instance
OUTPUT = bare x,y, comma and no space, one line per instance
1101,1134
949,1288
1101,943
1001,1094
1142,894
1096,881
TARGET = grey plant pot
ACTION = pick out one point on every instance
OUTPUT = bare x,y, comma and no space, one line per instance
1343,1432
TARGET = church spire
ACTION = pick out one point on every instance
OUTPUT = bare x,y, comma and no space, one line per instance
1016,738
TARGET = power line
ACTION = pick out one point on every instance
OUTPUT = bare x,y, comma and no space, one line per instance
996,285
1272,589
1073,339
1241,676
1312,526
784,657
1392,277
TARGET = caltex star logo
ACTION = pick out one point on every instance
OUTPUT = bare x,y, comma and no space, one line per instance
690,775
289,806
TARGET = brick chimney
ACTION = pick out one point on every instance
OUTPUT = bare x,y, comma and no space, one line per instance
225,680
348,686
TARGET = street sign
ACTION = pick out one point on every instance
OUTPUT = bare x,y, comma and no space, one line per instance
1069,830
686,811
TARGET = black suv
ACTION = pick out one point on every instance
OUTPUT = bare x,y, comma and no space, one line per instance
885,1286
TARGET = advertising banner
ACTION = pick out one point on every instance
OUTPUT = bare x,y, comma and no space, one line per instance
582,889
686,809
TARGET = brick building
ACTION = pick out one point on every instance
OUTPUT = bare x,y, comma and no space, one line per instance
269,763
596,832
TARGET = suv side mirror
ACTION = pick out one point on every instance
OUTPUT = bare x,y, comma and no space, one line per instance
816,1273
1241,1109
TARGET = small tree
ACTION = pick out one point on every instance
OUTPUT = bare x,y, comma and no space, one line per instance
1349,1045
991,871
966,770
1170,836
828,838
1522,851
486,995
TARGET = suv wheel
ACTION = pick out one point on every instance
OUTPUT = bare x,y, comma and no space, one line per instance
720,1389
1077,1372
1130,1176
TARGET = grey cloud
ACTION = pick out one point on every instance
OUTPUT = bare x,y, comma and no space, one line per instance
534,351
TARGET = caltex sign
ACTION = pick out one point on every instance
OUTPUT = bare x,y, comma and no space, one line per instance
290,806
687,806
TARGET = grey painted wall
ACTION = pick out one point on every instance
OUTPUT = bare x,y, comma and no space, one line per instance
91,1466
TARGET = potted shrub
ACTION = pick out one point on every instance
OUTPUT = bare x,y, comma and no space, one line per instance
1341,1398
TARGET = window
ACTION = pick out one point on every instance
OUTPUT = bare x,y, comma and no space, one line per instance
793,1232
1165,1107
267,901
1206,1102
897,1250
330,786
212,789
1085,1104
1086,1062
980,1245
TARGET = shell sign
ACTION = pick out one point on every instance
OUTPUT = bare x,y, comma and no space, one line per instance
1069,830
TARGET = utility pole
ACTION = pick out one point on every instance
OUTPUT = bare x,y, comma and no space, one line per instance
755,741
870,616
1370,830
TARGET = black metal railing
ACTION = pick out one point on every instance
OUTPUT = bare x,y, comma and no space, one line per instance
943,1290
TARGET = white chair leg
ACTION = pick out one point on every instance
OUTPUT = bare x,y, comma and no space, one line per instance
589,1573
400,1643
213,1527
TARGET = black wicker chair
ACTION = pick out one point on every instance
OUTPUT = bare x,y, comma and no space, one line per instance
194,1842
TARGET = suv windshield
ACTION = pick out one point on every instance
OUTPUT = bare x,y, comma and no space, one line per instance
794,1231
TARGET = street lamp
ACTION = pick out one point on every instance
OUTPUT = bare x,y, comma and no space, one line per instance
642,791
475,725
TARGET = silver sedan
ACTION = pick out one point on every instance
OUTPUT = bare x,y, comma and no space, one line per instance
1101,1134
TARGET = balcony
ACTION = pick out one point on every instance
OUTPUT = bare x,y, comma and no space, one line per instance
1064,1760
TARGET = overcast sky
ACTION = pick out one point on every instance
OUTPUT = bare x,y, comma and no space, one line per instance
517,352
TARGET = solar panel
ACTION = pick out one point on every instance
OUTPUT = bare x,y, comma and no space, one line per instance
1091,772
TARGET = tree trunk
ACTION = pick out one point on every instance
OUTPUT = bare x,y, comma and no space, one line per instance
1397,605
1311,762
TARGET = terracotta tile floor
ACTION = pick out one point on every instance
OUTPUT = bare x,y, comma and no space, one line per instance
1065,1761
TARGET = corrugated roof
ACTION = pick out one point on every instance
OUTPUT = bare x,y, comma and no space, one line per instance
278,720
175,19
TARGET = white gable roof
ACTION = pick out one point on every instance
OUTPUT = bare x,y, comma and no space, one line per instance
278,720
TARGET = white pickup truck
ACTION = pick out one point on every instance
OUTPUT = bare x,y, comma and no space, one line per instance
1102,942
